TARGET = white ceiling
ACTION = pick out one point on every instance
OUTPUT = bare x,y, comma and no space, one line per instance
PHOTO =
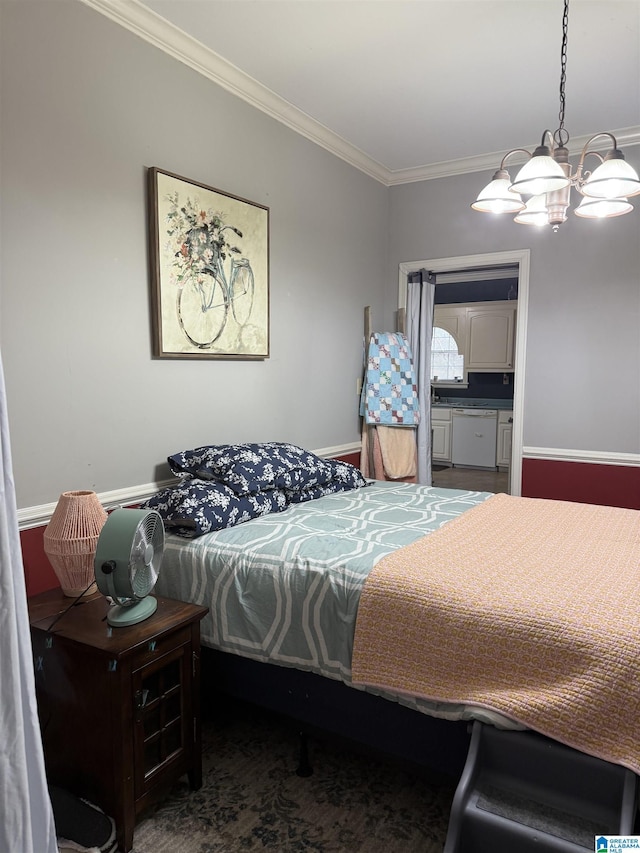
408,89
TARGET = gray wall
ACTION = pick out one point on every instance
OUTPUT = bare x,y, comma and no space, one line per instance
86,107
582,380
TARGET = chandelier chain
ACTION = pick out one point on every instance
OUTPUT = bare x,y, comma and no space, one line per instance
561,136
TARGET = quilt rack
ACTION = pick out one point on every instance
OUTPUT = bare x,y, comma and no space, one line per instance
401,322
370,465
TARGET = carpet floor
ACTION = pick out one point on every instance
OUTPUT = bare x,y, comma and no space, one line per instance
252,800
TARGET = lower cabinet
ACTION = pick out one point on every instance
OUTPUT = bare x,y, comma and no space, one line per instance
505,435
441,434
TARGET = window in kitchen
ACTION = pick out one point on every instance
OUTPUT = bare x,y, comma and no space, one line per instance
447,365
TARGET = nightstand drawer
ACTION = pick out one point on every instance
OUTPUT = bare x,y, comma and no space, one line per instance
157,647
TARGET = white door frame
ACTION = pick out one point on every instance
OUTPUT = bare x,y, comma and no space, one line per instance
521,258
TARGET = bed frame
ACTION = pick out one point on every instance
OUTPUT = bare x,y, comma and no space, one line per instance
541,795
315,704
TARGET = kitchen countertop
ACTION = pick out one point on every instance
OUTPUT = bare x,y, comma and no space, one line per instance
473,403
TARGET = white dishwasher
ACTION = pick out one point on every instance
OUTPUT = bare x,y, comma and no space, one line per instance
473,441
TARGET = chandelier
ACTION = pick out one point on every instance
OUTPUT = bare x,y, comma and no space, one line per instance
546,177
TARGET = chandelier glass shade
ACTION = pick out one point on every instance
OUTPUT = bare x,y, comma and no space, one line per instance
541,174
614,178
546,178
497,197
535,212
600,208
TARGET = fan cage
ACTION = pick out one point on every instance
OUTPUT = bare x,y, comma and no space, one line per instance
133,540
147,541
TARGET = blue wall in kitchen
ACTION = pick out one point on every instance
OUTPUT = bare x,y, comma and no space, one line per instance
485,386
476,291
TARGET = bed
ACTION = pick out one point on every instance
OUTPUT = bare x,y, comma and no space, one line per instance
320,608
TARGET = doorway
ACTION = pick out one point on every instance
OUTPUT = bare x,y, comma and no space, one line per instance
468,478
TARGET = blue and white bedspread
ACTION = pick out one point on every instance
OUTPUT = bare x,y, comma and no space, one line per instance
284,588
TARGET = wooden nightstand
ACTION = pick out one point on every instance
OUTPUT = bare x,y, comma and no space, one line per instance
119,707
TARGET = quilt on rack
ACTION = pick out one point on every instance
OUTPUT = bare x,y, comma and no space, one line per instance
284,588
389,392
526,606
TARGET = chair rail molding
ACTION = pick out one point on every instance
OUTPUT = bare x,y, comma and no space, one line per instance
593,457
37,516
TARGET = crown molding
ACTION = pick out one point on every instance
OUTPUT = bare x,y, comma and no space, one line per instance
156,30
490,162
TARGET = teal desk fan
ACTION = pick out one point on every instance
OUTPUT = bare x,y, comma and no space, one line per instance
127,563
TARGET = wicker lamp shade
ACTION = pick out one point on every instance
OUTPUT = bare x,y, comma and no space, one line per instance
71,538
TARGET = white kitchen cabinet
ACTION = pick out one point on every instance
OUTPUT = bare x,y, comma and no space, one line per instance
441,434
504,439
484,333
490,337
453,319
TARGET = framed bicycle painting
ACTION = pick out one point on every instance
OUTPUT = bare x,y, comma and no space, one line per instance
209,253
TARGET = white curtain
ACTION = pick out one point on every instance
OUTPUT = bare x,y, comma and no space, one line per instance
27,824
420,300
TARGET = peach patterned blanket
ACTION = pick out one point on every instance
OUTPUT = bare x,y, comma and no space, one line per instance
529,607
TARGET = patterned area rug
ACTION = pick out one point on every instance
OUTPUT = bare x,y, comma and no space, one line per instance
252,799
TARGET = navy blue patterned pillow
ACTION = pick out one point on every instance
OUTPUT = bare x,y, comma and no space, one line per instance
346,474
312,492
254,467
194,507
345,481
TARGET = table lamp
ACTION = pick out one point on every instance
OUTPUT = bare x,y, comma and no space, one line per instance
71,538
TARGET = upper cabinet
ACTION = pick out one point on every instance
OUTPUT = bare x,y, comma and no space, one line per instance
453,320
484,335
490,337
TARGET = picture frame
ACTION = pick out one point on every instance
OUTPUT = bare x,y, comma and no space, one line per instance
209,269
